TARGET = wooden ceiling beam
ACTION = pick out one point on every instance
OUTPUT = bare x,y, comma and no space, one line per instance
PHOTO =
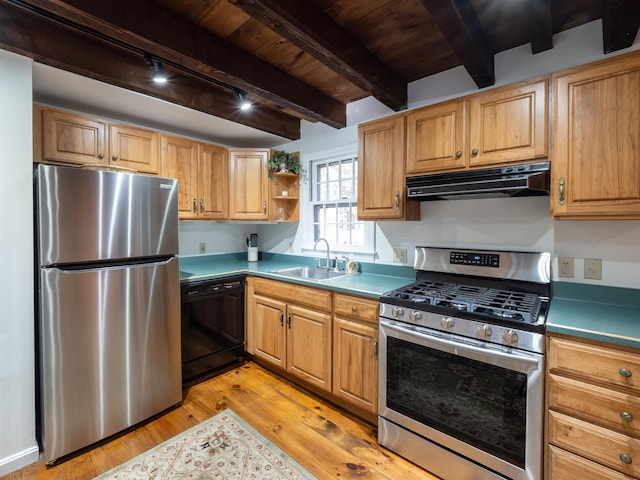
47,42
620,24
146,26
308,27
459,24
540,25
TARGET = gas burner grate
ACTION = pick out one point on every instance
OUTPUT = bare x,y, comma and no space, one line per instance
490,302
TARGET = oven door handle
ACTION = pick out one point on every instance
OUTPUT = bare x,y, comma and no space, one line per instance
490,355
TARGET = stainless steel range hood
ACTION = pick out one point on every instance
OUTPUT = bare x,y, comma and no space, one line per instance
511,181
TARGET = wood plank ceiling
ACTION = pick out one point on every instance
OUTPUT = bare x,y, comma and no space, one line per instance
295,59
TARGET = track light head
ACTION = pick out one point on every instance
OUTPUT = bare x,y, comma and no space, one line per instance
158,74
244,103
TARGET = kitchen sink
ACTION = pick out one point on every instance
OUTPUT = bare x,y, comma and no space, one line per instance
310,273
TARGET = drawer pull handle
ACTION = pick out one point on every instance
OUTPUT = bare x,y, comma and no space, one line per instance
626,458
626,416
625,372
281,318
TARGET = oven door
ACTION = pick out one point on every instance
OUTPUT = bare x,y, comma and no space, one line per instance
479,400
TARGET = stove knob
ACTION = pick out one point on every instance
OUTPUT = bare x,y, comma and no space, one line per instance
415,316
484,331
397,312
510,337
447,322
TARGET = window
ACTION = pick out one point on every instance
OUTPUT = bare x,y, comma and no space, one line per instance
334,197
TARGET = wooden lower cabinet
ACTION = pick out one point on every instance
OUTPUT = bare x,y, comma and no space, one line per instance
328,340
593,406
290,334
565,465
355,351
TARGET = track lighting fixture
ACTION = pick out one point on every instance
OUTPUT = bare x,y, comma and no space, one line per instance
244,103
158,74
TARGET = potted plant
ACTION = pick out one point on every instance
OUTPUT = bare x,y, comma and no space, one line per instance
283,162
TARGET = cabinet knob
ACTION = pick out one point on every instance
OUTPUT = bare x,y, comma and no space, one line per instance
625,372
626,458
626,416
354,308
458,154
114,157
101,155
474,152
561,190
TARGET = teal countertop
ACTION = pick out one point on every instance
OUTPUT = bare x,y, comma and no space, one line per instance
608,314
373,281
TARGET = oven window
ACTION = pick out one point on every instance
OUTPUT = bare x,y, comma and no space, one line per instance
478,403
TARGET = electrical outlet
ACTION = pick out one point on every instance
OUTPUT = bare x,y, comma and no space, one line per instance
565,267
593,268
203,247
400,255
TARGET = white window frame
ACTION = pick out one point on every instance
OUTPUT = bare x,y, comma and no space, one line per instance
328,156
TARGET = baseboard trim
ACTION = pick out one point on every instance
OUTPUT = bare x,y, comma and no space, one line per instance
19,460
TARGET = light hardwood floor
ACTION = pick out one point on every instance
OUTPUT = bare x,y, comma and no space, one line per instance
324,439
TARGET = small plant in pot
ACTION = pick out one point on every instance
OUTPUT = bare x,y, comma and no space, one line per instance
283,162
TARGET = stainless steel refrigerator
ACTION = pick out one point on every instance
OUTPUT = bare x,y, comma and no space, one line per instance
108,303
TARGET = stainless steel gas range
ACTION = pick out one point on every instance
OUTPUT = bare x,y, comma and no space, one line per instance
462,364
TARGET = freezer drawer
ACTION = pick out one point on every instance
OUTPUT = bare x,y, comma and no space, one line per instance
110,351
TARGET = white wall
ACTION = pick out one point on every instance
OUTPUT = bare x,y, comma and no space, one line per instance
17,392
518,224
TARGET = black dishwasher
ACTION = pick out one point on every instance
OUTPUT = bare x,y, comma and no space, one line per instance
212,327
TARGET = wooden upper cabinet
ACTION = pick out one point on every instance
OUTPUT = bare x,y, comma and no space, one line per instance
73,139
202,171
381,171
248,184
508,124
213,182
595,164
68,138
500,126
436,139
179,159
133,147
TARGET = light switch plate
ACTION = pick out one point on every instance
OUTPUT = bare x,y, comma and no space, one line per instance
593,268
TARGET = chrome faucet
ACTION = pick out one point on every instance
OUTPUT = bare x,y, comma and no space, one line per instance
327,243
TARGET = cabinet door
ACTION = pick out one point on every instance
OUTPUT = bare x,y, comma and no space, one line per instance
74,139
309,346
132,147
436,139
508,124
248,184
595,167
179,159
355,363
213,182
269,330
381,172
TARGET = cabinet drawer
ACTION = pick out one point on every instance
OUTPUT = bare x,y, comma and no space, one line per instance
596,443
595,404
356,307
594,363
294,293
563,465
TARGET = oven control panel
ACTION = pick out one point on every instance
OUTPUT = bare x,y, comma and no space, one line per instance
473,258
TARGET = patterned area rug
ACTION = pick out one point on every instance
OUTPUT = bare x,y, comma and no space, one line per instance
224,447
